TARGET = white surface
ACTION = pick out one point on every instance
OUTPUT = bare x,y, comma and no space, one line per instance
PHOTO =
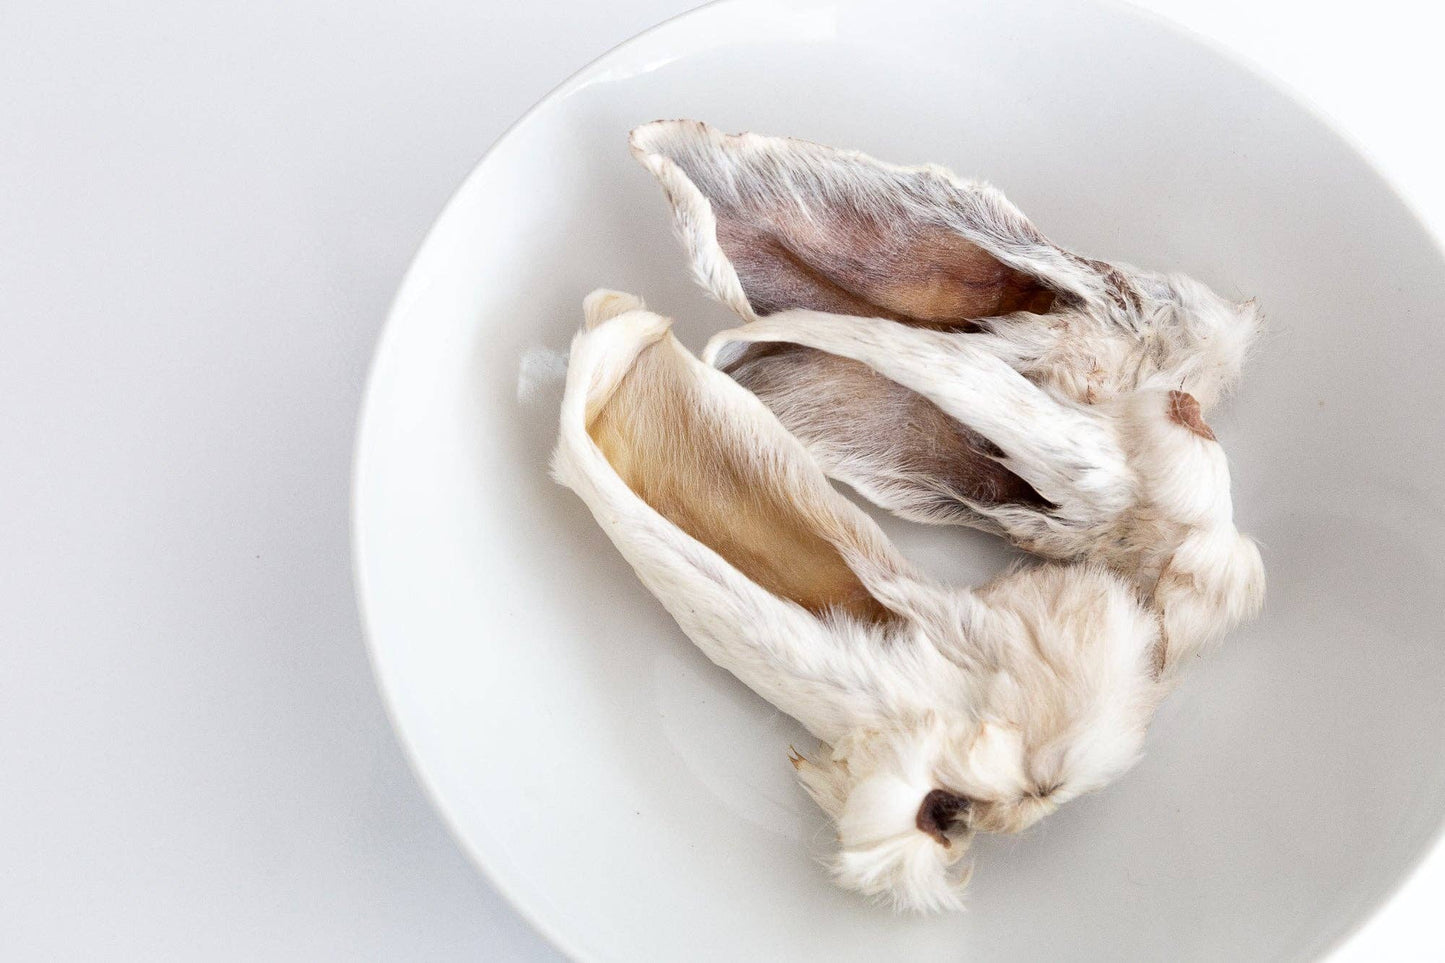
203,215
629,795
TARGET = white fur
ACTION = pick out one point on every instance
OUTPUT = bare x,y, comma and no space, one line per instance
1019,695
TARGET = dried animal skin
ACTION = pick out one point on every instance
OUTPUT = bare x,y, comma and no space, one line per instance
945,711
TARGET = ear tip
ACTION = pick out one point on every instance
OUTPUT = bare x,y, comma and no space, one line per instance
655,136
644,135
604,304
639,138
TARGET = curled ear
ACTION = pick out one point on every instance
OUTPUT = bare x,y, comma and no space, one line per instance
726,518
772,223
932,427
889,442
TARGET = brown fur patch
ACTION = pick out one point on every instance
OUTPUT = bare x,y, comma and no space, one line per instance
1184,411
939,809
715,486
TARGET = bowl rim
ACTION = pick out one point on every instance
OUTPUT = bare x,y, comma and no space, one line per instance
516,896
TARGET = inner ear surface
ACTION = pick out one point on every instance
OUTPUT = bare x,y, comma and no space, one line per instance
859,422
809,226
846,262
713,480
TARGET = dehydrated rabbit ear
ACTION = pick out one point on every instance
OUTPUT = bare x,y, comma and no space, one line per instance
946,711
1070,458
1138,482
725,517
774,223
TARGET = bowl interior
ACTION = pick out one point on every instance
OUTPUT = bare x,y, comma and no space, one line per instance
634,800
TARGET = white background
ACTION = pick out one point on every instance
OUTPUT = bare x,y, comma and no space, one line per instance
204,210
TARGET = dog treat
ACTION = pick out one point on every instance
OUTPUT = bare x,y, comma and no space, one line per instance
913,335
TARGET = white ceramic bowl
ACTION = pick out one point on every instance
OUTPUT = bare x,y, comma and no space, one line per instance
635,801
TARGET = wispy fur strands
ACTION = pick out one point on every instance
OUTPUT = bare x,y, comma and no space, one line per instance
944,711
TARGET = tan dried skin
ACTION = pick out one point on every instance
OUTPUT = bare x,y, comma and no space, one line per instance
655,433
1184,411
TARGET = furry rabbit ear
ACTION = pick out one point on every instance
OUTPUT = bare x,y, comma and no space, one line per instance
932,427
722,513
1138,482
944,711
773,223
